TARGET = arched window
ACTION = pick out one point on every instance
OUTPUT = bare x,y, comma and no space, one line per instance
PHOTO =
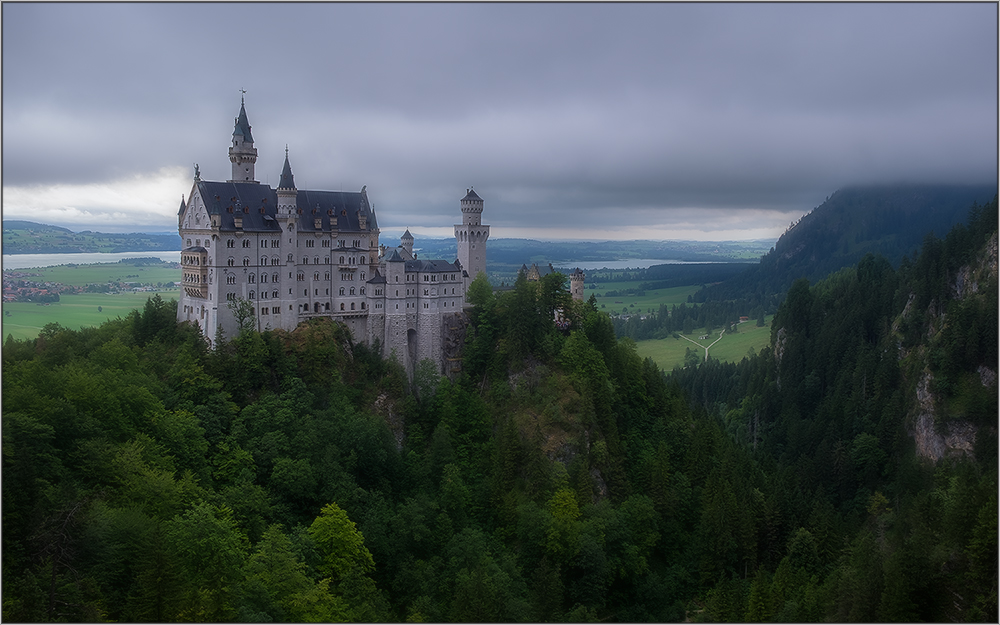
326,306
352,290
274,293
230,243
290,258
352,305
263,277
342,306
230,279
246,262
246,242
274,277
263,260
316,276
305,260
251,278
362,290
341,260
341,290
230,262
364,260
250,295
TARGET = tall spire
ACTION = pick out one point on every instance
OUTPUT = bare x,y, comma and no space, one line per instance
242,154
287,181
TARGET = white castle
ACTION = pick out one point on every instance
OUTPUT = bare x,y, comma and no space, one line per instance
295,255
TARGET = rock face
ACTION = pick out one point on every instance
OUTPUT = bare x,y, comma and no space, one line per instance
958,437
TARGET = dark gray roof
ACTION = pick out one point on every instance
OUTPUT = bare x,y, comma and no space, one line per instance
394,257
193,248
287,181
180,211
243,125
378,279
432,266
407,235
345,205
471,195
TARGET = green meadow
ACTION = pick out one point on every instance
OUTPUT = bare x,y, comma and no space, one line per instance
100,273
23,320
669,352
637,303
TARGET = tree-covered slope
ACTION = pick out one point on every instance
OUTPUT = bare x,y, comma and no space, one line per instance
876,408
301,477
890,221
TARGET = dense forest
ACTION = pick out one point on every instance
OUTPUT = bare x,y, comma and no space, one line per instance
301,477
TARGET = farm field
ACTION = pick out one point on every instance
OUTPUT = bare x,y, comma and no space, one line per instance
81,275
669,352
23,320
636,303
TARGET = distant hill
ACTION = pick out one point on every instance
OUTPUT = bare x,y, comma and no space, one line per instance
891,221
28,237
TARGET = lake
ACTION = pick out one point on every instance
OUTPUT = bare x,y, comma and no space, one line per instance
25,261
628,263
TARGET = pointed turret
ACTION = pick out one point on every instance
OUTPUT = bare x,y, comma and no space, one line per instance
287,181
242,154
287,194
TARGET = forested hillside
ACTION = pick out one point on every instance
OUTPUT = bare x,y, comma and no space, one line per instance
890,221
298,476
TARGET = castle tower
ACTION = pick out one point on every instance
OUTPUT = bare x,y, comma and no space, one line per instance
471,237
576,284
407,242
287,213
243,155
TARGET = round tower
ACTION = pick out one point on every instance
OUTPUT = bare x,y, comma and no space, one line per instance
242,154
471,236
407,242
576,284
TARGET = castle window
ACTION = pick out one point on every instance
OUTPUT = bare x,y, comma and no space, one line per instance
274,260
300,276
305,292
208,243
250,295
310,243
230,262
326,260
340,243
434,278
326,306
342,306
263,260
274,295
341,290
326,242
364,260
290,258
305,260
246,262
426,277
341,260
362,305
263,277
276,310
230,296
352,290
263,243
263,311
362,290
397,280
316,276
274,242
246,242
397,292
316,260
230,243
326,276
189,243
230,279
251,278
274,277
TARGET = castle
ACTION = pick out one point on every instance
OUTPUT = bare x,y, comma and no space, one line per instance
296,254
292,255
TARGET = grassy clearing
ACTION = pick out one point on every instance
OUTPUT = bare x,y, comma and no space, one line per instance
649,302
669,352
101,273
23,320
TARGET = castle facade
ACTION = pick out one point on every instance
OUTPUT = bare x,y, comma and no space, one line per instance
294,254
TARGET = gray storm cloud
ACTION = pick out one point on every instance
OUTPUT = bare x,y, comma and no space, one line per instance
554,111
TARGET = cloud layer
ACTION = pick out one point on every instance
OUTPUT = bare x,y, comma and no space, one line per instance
571,120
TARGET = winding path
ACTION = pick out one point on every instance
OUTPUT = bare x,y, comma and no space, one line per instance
700,345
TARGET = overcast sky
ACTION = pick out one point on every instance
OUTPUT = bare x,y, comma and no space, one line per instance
581,121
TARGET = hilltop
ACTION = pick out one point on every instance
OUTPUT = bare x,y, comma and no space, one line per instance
890,221
28,237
